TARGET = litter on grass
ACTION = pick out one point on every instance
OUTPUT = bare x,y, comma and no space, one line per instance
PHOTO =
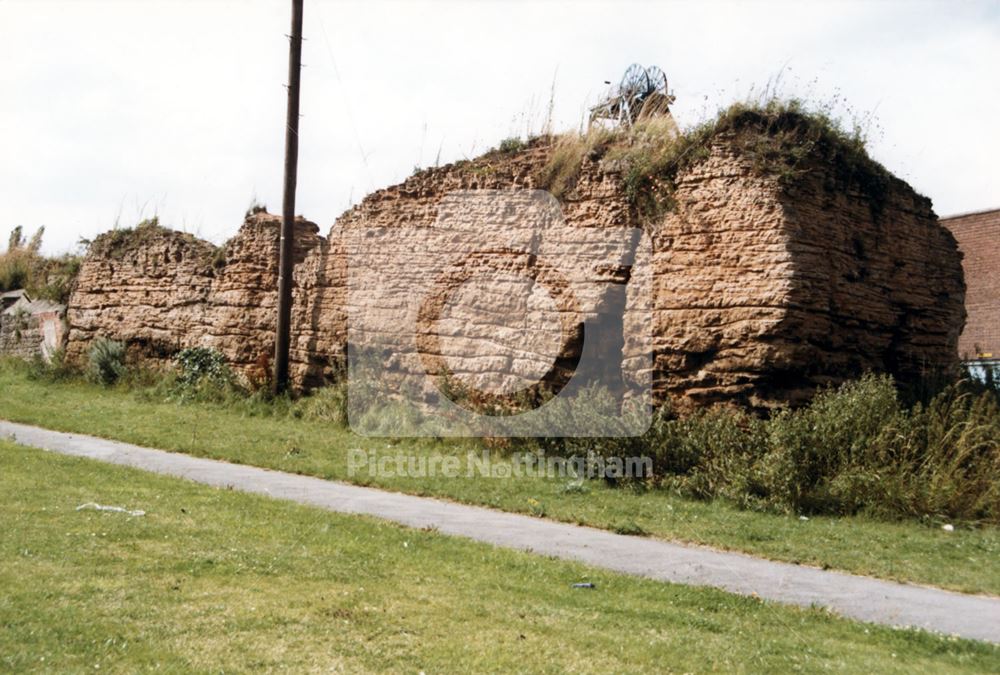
92,506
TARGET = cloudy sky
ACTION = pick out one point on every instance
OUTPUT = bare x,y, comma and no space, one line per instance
112,111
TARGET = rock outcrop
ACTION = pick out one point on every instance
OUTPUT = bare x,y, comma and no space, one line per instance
160,291
765,290
762,286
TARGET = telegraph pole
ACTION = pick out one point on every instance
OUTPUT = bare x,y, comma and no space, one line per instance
282,342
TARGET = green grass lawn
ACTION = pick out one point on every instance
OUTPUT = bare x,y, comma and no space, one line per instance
216,580
966,559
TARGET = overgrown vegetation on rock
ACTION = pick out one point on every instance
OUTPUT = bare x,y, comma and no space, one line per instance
22,265
118,242
115,242
781,137
511,145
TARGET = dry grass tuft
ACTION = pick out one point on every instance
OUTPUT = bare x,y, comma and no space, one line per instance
781,137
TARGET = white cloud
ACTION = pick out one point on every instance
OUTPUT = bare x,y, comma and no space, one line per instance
114,108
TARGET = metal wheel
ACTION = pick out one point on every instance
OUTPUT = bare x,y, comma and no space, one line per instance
635,82
657,80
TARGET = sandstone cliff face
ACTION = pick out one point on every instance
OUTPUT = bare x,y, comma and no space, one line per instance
878,283
161,291
477,340
149,287
767,289
761,289
723,275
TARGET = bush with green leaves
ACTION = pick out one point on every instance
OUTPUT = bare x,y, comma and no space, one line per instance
202,372
819,455
512,145
941,458
857,448
106,361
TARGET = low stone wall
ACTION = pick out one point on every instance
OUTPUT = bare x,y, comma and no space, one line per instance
32,330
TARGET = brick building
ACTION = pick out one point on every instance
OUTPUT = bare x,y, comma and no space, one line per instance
978,235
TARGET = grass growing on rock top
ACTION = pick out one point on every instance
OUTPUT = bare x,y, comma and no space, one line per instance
784,138
272,435
215,580
119,242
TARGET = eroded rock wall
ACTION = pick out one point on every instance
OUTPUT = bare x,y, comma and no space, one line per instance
762,289
161,291
723,275
877,284
497,192
770,288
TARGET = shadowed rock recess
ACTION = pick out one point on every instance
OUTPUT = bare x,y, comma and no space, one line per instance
765,284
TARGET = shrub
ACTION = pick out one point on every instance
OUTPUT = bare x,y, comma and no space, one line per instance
942,459
856,448
203,374
816,452
713,454
512,145
197,364
106,361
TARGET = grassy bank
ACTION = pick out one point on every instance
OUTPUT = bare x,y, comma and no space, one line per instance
906,550
213,580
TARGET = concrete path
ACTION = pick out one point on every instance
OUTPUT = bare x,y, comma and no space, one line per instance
863,598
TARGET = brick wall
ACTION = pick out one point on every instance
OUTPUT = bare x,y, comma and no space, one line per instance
978,236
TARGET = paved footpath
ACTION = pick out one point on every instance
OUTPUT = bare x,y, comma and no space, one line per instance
863,598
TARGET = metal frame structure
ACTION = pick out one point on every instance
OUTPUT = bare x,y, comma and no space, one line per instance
626,102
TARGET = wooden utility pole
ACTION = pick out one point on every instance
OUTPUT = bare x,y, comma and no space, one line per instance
282,341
